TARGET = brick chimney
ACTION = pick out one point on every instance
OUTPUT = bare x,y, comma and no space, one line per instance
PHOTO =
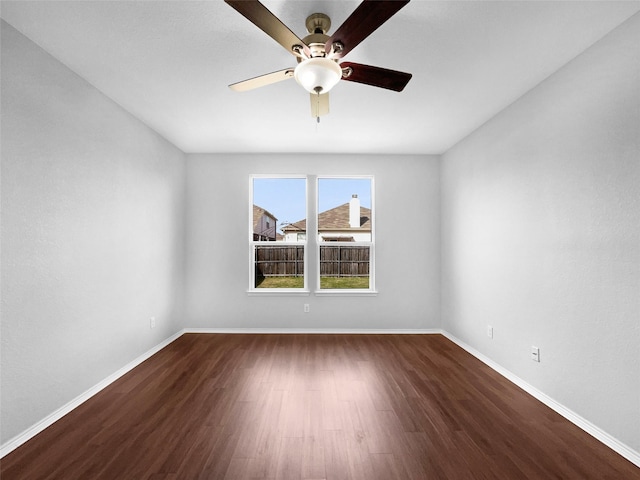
354,211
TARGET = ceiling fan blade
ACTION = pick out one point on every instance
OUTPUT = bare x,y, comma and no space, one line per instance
376,76
266,21
319,104
364,20
262,80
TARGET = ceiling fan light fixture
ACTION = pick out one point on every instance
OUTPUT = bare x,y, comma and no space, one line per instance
318,74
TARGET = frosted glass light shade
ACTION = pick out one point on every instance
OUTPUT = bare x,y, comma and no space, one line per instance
318,73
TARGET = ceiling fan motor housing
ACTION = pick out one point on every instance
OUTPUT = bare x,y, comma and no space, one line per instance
315,42
318,25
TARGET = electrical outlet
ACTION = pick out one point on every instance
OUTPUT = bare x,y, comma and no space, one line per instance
152,322
535,354
489,331
306,308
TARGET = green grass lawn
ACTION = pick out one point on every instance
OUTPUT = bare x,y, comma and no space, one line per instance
344,282
280,282
325,282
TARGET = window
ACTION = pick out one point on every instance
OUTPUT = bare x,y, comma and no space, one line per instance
339,249
345,233
278,253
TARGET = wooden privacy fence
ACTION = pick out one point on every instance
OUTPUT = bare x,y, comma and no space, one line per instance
279,261
335,261
344,261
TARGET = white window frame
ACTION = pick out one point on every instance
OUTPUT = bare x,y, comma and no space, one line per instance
354,292
253,290
312,242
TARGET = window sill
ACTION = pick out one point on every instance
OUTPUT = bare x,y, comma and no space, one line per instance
278,292
345,293
285,292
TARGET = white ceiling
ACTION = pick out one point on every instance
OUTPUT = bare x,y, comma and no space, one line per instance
169,64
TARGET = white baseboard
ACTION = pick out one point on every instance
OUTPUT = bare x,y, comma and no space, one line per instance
328,331
35,429
614,444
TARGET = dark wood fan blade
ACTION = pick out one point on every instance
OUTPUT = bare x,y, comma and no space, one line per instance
376,76
262,80
266,21
364,20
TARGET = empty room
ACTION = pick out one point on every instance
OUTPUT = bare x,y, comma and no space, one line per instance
320,240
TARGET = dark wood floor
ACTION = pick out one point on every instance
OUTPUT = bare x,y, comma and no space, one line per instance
313,407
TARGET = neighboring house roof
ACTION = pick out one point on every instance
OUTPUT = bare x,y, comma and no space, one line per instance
258,212
334,220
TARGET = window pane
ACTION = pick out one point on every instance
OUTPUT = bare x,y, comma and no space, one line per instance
277,202
279,266
279,215
344,266
345,217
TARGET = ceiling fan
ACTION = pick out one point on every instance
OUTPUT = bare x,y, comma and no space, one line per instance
318,54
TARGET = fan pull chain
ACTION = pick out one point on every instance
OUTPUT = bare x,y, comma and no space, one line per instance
318,109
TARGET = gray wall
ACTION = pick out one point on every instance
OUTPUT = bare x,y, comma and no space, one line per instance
541,236
92,212
407,253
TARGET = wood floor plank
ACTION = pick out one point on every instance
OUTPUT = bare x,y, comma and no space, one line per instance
313,461
290,458
335,455
313,407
